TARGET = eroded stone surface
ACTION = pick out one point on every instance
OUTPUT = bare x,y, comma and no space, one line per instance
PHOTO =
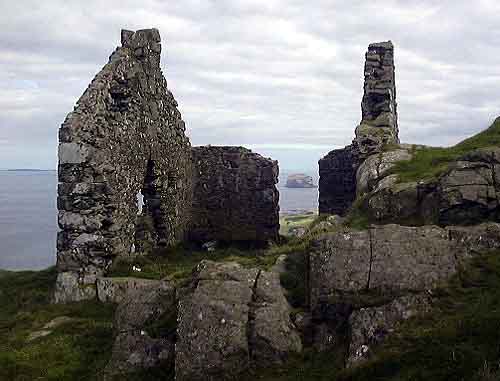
274,335
411,258
370,326
141,304
375,167
115,290
393,258
213,321
339,262
136,350
236,198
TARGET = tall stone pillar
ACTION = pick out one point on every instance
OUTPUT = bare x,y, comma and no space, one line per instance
378,128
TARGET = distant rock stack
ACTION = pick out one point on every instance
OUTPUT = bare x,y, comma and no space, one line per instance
299,180
378,128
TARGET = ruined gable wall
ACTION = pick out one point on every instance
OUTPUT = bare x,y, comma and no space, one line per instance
378,127
126,118
236,198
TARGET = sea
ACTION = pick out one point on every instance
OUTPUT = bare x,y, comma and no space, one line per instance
28,215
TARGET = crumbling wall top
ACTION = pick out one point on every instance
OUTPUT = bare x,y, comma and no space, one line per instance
143,42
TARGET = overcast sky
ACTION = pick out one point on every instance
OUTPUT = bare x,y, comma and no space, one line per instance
283,77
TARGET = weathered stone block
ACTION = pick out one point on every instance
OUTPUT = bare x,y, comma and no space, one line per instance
274,337
235,195
410,258
212,323
370,326
339,262
70,287
116,290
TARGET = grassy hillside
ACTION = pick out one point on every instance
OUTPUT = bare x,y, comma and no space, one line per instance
77,350
429,162
459,341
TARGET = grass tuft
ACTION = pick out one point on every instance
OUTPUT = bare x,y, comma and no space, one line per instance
430,162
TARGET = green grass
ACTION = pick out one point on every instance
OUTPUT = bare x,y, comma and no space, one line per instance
77,350
429,162
179,262
460,340
287,223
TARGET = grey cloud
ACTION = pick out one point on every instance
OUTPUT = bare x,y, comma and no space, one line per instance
279,75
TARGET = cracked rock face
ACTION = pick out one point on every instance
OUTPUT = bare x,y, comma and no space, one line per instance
469,191
230,319
274,335
133,348
370,326
392,258
377,166
213,323
136,350
371,280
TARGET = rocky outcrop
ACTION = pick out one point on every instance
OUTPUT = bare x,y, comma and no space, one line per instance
299,180
393,258
216,316
136,350
115,290
469,190
376,167
467,193
378,128
370,326
366,282
230,320
138,307
274,335
236,198
388,258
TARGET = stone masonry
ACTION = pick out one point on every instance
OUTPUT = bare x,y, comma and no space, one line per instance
378,127
126,172
236,198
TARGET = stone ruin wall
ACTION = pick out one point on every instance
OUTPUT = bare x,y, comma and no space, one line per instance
378,127
116,138
236,198
126,171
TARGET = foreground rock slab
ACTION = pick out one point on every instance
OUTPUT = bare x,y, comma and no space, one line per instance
273,335
393,258
232,318
136,350
133,348
370,326
213,322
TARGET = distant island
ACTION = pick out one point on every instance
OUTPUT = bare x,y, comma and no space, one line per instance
300,180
